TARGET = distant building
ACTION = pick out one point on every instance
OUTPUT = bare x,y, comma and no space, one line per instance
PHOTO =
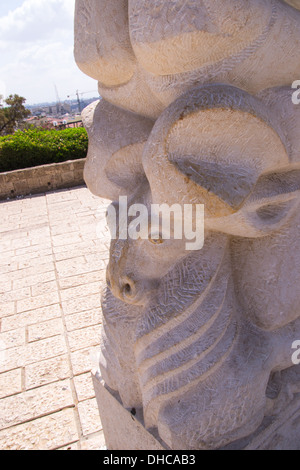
58,110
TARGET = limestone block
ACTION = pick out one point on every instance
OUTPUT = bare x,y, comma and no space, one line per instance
46,433
41,179
122,428
10,383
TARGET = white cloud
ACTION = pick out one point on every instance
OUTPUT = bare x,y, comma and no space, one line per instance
36,48
2,90
37,20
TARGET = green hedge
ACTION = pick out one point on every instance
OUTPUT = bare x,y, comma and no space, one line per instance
35,147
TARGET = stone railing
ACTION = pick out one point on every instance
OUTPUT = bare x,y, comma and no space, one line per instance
41,179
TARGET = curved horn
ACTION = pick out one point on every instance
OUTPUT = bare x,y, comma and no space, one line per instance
102,43
210,147
194,34
274,199
116,140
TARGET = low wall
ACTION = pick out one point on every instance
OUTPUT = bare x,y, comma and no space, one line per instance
41,179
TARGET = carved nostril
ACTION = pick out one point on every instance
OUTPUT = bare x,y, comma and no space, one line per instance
128,288
125,289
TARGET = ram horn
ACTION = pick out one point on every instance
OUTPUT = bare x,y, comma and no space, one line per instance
210,147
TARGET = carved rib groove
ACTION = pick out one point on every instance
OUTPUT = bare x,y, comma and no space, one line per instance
178,384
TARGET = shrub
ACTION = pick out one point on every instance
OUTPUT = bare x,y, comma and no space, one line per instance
35,147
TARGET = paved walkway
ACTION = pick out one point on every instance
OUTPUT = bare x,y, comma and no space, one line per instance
52,266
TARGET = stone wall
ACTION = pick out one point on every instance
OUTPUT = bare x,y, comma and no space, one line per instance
41,179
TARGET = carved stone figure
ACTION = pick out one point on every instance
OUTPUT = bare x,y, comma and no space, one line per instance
197,109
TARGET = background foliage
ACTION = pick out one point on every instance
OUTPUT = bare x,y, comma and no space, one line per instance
34,147
12,115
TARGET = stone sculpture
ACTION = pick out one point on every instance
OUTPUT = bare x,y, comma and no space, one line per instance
197,109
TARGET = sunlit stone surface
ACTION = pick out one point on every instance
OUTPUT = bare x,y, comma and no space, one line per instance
197,109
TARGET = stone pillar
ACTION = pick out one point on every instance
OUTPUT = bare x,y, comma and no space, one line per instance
200,337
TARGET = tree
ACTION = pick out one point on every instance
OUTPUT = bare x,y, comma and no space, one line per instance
12,115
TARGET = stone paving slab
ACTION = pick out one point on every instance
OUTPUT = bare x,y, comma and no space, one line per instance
53,257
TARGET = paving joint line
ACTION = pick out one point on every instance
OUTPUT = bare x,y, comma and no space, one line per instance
73,388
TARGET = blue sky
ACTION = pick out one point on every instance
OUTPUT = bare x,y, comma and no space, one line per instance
36,51
7,5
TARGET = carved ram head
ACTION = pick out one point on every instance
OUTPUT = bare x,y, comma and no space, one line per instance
197,318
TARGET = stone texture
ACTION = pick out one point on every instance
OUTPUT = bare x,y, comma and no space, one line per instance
41,179
33,352
83,358
81,304
201,340
13,338
33,303
47,433
84,386
89,336
35,403
30,317
83,320
96,442
10,383
47,371
42,382
127,431
45,330
89,417
122,429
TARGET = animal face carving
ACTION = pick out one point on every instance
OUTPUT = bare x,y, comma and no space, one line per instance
249,189
198,334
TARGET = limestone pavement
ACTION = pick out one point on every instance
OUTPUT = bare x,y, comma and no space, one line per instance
53,256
